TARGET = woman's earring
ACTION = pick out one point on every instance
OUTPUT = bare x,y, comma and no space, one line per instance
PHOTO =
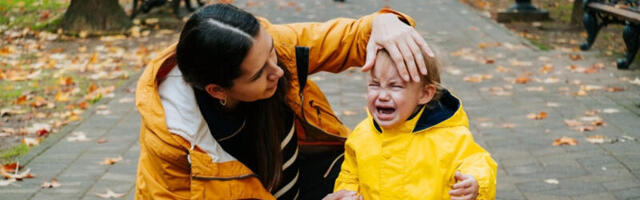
223,102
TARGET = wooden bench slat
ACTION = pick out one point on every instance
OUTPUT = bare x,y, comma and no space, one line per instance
632,16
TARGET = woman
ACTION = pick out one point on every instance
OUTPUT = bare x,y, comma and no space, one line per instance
237,118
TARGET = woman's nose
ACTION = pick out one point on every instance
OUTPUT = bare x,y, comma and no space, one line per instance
276,73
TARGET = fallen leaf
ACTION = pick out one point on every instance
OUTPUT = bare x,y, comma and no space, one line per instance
552,181
110,194
30,141
348,113
596,139
575,57
111,161
586,128
591,112
125,100
16,175
78,136
546,68
610,110
613,89
102,140
7,182
565,141
53,184
62,96
538,116
522,79
573,122
553,104
635,81
500,68
598,123
535,89
12,167
508,125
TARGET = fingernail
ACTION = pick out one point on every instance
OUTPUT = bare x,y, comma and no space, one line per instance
406,77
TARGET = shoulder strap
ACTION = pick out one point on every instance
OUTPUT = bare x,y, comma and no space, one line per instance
302,64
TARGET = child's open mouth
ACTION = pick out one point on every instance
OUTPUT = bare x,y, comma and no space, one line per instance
385,112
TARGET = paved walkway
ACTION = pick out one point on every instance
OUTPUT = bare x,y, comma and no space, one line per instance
528,163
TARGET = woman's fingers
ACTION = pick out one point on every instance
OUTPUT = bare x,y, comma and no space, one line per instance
398,60
417,54
370,59
422,43
409,59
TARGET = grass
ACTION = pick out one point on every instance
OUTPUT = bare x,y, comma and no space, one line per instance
540,45
9,155
30,13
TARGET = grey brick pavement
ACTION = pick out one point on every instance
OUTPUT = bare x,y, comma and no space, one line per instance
525,155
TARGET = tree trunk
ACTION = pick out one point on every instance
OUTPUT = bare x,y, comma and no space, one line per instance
577,12
96,17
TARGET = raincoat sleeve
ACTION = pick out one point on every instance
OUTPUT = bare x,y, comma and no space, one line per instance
477,162
348,177
337,44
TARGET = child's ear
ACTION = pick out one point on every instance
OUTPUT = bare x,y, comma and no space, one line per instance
428,91
216,91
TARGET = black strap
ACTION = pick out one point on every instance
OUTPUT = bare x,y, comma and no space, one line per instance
302,64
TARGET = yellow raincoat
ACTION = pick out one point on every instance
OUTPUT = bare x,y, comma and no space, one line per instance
180,159
417,160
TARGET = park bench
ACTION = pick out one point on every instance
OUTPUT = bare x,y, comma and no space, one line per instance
600,13
146,5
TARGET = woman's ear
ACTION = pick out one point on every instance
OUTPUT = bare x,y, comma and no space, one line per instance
216,91
428,91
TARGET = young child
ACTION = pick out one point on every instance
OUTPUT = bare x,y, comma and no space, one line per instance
415,144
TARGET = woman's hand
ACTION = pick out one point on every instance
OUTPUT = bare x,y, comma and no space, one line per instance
343,195
466,187
405,45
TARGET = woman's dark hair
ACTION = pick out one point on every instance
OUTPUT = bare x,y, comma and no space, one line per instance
213,43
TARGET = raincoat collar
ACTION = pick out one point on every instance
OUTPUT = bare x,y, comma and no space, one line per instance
445,112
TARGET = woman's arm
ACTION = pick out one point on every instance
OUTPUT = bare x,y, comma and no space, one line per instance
341,43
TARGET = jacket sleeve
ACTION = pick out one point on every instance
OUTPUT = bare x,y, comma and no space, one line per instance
337,44
348,177
477,162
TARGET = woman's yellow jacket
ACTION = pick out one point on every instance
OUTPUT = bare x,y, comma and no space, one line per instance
418,159
180,159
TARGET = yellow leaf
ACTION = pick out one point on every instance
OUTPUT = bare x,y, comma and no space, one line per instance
565,141
62,97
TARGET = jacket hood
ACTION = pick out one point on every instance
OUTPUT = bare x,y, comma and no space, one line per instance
445,112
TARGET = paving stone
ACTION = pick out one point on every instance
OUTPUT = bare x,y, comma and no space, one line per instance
629,193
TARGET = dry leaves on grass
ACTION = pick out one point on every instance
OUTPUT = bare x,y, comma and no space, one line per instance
565,141
30,141
111,161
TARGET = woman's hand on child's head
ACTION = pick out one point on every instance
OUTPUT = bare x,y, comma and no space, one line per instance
466,187
404,44
343,195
